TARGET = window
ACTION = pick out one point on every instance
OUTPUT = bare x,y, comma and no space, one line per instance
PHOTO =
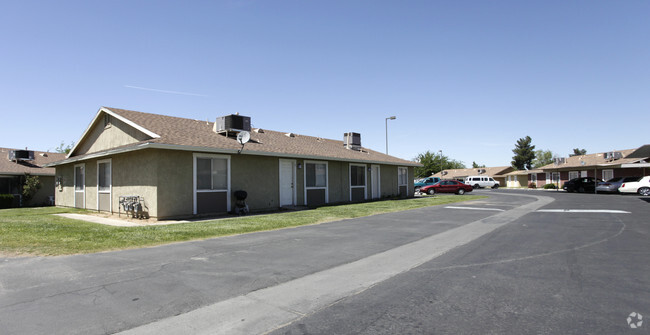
533,178
315,174
357,175
608,174
402,176
211,173
79,178
573,174
104,176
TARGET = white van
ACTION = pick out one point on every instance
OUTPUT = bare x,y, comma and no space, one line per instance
481,181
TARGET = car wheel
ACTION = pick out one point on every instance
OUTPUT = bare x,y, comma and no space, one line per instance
417,190
476,186
645,191
431,191
460,191
495,186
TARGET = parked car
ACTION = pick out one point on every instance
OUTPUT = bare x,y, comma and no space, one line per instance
425,182
641,187
581,185
482,181
446,186
612,185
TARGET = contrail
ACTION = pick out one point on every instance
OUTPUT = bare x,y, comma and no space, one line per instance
164,91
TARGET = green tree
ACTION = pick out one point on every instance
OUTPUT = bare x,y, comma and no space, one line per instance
524,154
578,152
31,186
543,157
64,149
476,166
432,164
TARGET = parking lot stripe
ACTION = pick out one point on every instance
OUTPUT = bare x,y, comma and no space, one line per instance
476,208
613,211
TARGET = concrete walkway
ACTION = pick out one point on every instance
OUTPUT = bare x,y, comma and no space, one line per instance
120,222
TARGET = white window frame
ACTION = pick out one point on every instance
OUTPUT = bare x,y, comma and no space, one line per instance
558,179
574,174
584,174
365,180
403,168
327,180
533,178
609,172
195,156
110,187
83,183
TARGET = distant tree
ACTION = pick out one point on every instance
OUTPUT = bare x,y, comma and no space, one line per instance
31,186
524,154
64,149
543,157
433,162
476,166
578,152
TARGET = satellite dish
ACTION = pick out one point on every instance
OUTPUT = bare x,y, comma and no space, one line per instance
243,137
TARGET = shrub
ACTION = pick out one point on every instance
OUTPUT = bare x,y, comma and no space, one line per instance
6,200
549,186
32,185
532,185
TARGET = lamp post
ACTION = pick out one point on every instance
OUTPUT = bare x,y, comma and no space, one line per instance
388,118
440,151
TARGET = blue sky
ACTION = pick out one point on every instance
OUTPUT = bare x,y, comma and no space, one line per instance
465,77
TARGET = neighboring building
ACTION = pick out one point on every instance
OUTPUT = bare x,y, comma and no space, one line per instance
16,165
604,165
522,178
497,173
183,167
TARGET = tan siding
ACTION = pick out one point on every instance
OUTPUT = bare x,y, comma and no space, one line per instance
100,138
64,195
259,177
175,183
134,173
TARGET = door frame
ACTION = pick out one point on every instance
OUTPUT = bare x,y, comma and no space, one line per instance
110,187
375,178
83,183
294,193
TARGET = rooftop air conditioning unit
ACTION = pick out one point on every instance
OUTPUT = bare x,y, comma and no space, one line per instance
613,155
21,155
352,140
559,160
481,171
232,124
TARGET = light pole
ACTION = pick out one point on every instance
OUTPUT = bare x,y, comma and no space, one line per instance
388,118
440,151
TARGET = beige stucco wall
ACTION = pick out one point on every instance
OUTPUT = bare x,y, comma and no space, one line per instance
259,176
175,183
101,138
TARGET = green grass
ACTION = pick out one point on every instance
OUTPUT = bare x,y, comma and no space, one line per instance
34,231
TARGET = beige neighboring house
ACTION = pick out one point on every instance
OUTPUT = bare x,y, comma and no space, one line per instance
522,178
183,167
17,164
603,165
496,172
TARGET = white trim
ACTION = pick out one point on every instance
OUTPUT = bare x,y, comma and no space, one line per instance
327,180
113,114
607,170
365,180
573,174
83,182
110,187
195,191
293,181
407,179
378,178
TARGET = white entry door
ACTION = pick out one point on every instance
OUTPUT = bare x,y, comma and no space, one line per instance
375,181
287,182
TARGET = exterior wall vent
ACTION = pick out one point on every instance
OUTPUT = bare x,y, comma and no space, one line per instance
21,155
352,141
232,124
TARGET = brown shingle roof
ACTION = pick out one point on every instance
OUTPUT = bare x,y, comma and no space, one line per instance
34,167
175,131
489,171
591,160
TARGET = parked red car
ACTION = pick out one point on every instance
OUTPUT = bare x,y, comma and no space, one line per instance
446,186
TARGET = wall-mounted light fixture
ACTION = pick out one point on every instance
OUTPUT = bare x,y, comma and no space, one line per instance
300,165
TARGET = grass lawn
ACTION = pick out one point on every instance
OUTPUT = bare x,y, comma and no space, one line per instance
33,231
